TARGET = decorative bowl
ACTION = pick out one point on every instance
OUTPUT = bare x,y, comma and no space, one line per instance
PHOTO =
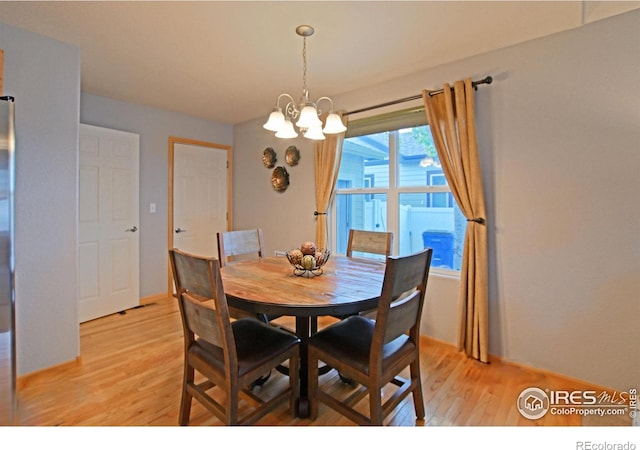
305,263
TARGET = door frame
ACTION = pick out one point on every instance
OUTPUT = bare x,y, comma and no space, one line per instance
178,140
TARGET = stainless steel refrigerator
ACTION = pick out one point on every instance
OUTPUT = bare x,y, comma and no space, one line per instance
7,297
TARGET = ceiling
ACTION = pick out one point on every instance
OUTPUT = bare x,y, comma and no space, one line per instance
228,61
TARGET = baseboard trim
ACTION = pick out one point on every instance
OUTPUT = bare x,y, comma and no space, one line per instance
23,380
493,359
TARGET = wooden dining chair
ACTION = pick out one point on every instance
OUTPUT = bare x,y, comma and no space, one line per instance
374,353
230,355
370,242
240,243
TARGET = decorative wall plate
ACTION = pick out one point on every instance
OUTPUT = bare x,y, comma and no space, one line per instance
269,158
292,155
280,179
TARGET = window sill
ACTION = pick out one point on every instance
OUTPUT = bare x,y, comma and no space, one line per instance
444,273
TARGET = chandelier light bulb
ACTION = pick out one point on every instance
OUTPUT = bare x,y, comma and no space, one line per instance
286,131
276,120
315,133
334,124
309,118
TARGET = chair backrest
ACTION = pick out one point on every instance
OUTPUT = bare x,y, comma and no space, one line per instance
203,304
374,242
402,298
239,242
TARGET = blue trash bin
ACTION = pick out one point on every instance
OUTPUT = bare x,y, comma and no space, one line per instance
442,244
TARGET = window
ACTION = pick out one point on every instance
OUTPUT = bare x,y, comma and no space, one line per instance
391,179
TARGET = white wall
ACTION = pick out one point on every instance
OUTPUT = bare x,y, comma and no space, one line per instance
559,134
286,217
44,77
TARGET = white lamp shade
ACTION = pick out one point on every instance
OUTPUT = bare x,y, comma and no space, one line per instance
308,118
286,131
334,124
276,120
315,133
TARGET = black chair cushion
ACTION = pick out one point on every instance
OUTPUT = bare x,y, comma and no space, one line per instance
256,343
350,341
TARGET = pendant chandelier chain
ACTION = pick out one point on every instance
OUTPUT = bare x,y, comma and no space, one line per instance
304,67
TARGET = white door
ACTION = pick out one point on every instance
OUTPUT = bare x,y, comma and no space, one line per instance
199,197
108,214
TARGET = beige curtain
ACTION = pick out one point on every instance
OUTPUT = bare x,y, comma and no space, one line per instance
327,155
452,121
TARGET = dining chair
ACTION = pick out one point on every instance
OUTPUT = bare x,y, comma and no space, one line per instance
374,353
241,244
230,355
238,243
370,242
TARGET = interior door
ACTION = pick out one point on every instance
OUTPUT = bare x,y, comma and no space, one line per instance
108,214
200,195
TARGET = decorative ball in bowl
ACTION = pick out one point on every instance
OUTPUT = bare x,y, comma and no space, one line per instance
308,260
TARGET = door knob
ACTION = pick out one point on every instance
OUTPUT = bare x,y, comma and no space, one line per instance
133,229
180,230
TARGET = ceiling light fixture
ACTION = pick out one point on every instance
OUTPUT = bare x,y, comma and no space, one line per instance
307,114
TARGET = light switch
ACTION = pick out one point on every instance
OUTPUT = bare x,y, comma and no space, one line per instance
152,208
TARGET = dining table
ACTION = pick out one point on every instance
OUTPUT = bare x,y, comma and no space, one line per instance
270,286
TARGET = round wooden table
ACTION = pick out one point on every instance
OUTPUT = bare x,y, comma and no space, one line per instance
269,286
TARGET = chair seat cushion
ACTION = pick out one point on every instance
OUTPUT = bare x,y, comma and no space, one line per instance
256,343
350,342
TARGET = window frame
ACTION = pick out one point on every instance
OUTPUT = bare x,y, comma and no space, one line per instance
392,123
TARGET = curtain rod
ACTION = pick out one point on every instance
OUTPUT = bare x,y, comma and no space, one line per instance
486,80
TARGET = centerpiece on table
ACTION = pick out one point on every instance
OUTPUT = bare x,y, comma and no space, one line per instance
308,260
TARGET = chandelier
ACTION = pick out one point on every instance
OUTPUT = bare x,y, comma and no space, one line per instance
306,113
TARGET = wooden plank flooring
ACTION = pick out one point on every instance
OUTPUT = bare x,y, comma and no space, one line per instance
130,374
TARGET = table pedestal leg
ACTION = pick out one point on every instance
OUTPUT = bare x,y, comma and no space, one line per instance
303,330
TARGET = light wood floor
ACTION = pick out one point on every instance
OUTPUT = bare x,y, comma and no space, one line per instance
130,373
